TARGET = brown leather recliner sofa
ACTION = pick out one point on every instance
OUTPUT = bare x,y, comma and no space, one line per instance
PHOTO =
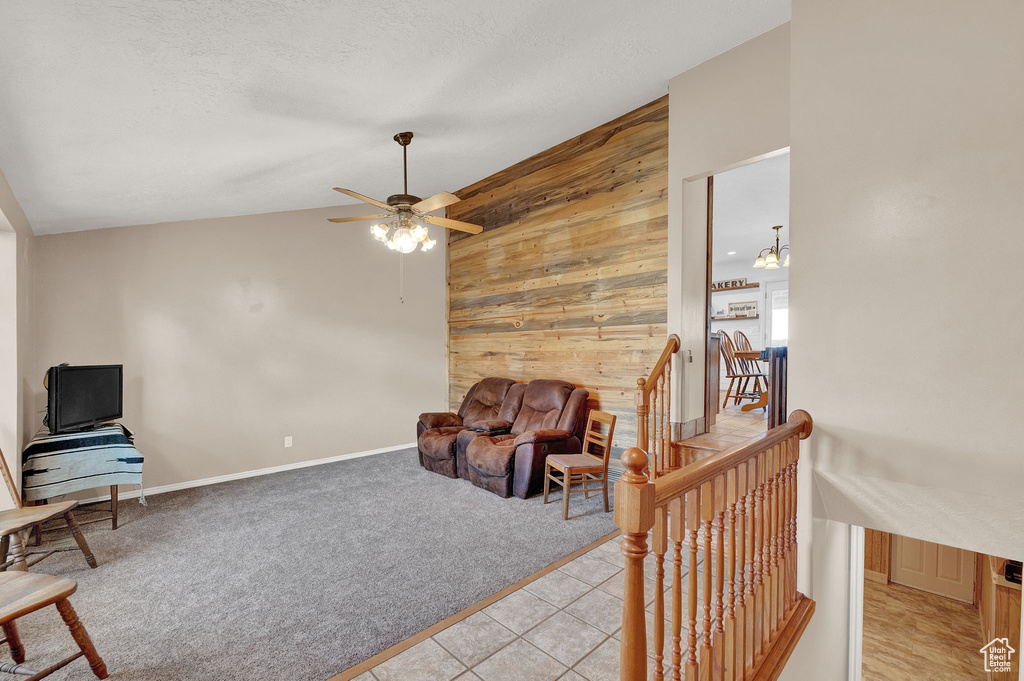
437,432
551,420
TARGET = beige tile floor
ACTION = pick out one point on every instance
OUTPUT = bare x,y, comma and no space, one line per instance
910,635
564,625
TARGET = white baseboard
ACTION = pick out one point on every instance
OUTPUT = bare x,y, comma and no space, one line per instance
150,491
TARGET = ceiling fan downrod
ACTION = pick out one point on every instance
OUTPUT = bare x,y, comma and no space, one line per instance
404,138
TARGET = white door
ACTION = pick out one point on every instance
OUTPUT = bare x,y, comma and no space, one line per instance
776,313
934,568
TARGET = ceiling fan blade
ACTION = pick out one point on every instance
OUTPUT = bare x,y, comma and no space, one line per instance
367,199
357,219
434,202
452,224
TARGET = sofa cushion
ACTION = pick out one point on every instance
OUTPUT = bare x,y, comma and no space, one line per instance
492,455
483,401
439,443
543,403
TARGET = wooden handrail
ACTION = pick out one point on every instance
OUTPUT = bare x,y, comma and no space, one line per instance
737,512
696,474
654,411
648,384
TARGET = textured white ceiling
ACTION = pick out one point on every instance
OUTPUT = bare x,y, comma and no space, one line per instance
116,113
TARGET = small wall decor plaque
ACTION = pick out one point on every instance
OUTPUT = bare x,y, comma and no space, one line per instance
744,309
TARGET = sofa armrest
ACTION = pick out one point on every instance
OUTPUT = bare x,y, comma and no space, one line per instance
542,435
491,426
440,420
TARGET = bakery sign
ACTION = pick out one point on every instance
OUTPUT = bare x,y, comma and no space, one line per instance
727,284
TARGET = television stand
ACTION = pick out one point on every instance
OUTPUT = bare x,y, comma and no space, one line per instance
55,465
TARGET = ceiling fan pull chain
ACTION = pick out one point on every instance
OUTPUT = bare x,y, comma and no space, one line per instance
401,278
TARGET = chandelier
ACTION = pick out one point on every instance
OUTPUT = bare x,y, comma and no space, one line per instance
403,235
770,260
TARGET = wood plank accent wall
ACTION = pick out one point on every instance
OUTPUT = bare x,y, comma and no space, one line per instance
569,278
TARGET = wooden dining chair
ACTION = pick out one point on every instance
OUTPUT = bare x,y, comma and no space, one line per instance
735,372
16,524
22,593
750,366
589,469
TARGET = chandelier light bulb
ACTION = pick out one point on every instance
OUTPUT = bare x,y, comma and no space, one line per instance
759,263
786,263
403,240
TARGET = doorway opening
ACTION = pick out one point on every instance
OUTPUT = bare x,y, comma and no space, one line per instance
936,611
747,298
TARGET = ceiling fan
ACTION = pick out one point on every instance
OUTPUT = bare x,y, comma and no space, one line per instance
408,232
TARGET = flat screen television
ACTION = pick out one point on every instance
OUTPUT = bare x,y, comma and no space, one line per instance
80,397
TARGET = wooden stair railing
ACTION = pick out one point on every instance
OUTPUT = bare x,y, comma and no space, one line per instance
737,616
654,412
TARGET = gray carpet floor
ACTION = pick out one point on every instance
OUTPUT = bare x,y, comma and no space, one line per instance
297,575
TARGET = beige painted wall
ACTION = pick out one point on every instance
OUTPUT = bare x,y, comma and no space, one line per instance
908,153
722,113
16,347
236,332
907,150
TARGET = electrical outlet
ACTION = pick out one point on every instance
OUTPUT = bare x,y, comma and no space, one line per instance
288,441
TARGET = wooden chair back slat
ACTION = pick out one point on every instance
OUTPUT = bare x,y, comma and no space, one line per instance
593,437
728,354
12,489
749,366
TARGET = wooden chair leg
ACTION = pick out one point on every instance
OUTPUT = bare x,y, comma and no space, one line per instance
604,485
5,547
81,637
14,642
76,532
17,553
547,480
113,507
566,486
728,392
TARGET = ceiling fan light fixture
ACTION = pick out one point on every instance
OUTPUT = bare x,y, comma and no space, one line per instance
419,232
379,232
427,245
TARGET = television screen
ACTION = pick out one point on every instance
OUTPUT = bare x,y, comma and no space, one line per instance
83,396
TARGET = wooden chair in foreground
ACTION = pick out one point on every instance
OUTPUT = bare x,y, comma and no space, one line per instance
22,593
586,468
16,524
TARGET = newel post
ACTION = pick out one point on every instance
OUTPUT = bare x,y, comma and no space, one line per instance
634,515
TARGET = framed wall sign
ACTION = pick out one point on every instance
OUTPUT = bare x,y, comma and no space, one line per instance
743,309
